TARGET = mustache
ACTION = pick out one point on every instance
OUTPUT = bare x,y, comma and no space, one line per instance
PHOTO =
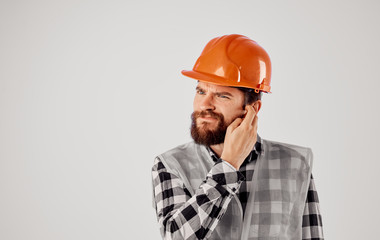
207,113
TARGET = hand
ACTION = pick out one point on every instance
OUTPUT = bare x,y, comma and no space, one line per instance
240,138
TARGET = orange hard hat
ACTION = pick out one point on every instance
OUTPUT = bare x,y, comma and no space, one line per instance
233,60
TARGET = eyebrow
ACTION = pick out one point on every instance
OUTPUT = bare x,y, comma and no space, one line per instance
217,93
199,89
224,93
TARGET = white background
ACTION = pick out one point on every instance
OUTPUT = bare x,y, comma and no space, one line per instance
91,92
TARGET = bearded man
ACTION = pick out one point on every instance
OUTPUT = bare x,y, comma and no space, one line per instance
229,183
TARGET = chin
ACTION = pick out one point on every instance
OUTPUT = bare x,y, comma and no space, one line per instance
206,128
204,124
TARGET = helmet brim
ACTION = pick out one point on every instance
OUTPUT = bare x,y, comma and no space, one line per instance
204,77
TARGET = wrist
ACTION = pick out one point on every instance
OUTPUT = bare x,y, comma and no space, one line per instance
225,174
229,162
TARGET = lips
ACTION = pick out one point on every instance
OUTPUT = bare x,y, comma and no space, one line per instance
208,118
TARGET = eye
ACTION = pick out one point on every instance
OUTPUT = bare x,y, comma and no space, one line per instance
223,96
200,92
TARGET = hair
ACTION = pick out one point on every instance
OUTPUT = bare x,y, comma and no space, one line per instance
250,96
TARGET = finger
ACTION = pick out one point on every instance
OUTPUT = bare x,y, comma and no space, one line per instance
254,123
234,124
251,113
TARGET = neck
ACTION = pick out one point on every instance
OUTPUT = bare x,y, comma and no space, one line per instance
218,149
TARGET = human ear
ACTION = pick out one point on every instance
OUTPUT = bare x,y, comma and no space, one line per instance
257,105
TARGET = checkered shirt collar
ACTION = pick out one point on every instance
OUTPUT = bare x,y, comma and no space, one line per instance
257,149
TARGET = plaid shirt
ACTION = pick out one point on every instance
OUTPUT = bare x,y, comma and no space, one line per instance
182,215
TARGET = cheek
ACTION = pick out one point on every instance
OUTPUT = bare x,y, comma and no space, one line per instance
195,104
231,115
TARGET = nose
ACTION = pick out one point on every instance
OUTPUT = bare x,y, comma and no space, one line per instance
207,103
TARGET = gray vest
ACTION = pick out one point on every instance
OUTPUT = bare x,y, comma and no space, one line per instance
280,184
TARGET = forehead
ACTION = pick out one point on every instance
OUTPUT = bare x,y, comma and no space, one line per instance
218,88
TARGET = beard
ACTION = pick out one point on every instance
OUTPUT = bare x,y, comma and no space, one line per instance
202,134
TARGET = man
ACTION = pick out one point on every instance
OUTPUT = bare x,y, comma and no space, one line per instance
229,183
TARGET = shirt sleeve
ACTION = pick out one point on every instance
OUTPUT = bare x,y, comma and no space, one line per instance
182,216
312,218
